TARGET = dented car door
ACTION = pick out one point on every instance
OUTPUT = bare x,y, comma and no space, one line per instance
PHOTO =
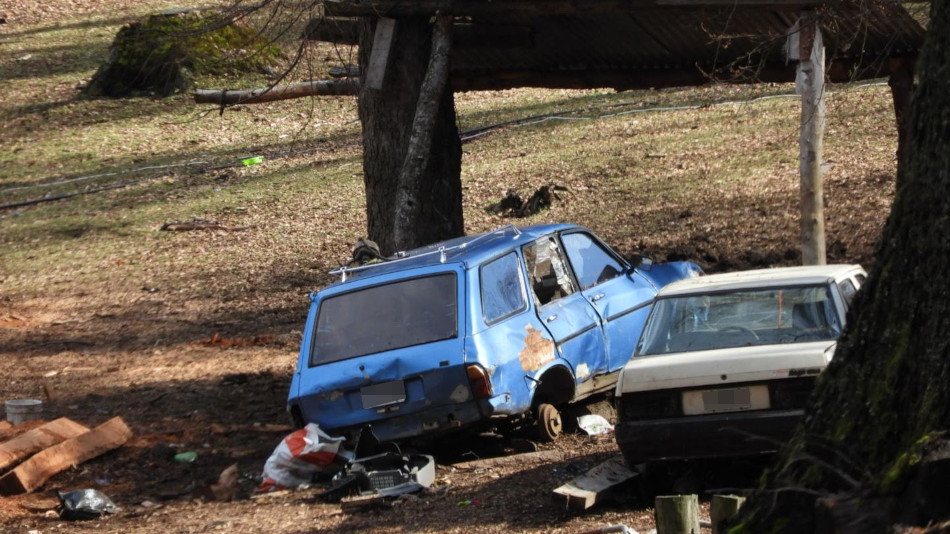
565,312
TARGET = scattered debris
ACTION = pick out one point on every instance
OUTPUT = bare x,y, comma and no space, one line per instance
594,424
584,491
34,472
252,160
513,205
200,224
85,504
188,457
226,488
300,456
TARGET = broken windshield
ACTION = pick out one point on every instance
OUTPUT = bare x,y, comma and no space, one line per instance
740,318
386,317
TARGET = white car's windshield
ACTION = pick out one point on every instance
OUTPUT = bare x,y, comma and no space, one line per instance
740,318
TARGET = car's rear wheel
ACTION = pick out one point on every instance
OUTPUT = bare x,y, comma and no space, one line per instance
548,421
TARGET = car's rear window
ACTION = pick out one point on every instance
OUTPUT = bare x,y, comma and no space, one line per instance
386,317
740,318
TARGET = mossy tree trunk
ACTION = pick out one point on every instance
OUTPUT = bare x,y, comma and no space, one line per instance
387,117
888,388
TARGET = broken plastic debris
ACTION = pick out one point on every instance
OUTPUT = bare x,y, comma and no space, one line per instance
469,502
186,457
85,504
253,160
594,424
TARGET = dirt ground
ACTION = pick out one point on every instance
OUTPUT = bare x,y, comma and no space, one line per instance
192,339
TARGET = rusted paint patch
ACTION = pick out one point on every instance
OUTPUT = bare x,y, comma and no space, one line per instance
459,394
333,395
537,350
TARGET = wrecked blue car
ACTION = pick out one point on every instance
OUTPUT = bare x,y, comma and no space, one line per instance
503,328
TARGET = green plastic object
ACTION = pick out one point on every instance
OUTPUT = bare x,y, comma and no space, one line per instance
253,161
186,457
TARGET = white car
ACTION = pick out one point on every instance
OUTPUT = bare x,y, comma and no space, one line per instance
726,362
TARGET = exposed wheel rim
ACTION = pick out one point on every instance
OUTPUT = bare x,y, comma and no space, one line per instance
549,422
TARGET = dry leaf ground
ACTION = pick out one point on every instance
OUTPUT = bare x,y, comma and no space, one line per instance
192,336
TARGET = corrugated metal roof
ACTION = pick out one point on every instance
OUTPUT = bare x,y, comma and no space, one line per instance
657,46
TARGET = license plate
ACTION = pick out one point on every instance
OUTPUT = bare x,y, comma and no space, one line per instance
383,394
725,400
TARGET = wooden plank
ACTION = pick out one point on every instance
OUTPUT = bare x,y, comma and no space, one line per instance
5,425
32,473
379,57
584,491
33,441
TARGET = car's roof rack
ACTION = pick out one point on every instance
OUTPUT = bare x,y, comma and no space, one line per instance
343,270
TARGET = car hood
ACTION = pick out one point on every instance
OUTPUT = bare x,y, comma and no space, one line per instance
723,366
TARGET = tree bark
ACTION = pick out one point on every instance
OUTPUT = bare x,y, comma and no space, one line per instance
387,116
887,390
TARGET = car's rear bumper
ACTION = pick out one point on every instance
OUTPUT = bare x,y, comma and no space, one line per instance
397,426
706,436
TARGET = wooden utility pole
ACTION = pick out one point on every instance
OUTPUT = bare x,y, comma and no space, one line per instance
805,45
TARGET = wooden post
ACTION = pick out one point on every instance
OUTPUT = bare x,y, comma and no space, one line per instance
677,514
382,44
722,508
805,45
420,141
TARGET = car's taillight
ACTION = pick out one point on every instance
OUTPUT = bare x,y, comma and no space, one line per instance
478,379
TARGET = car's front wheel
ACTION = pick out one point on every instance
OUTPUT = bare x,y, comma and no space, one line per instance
548,421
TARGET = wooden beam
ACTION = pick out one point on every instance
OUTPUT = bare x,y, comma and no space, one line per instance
586,490
420,141
345,31
337,30
807,47
379,59
399,8
34,472
33,441
345,86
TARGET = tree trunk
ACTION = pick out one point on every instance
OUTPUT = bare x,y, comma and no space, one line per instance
888,388
387,116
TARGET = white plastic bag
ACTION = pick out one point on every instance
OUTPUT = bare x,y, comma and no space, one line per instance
299,456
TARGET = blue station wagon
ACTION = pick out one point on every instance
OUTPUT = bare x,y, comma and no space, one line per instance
503,327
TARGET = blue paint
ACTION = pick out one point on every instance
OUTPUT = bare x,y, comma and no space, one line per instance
535,308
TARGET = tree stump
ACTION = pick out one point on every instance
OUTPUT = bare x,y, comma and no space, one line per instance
722,508
677,514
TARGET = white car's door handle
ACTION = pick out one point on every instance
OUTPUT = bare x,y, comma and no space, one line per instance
550,318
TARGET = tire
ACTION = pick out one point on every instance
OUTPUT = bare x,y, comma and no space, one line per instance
548,422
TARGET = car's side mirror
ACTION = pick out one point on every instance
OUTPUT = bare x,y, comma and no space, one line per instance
641,262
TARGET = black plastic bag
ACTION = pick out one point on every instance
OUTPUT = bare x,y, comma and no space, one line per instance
85,504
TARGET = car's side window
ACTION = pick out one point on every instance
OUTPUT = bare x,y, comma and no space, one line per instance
592,264
547,271
847,291
503,293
